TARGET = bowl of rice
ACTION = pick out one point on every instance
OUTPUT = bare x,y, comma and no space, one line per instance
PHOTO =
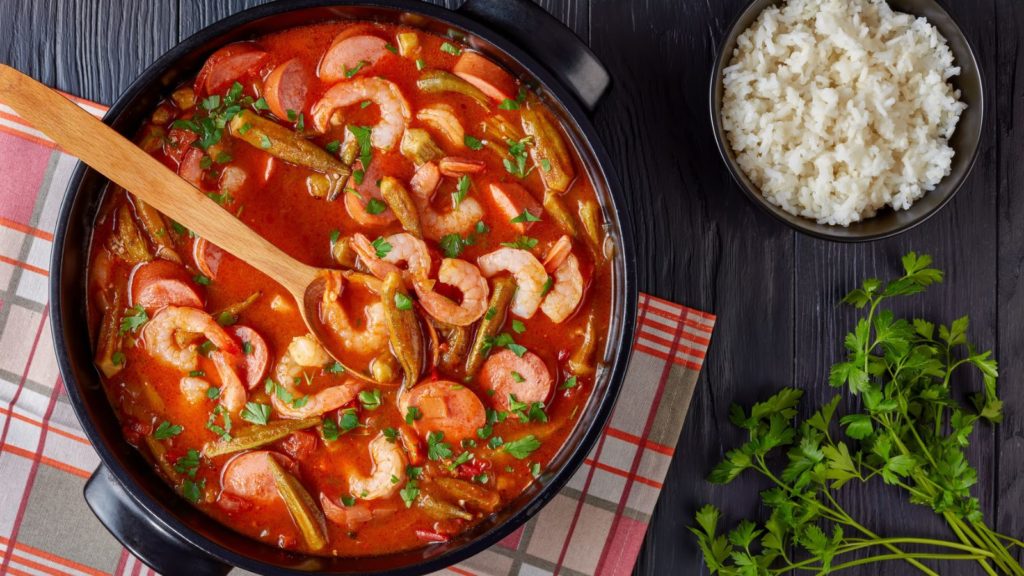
849,120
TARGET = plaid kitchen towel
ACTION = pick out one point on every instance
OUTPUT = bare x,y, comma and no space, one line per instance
594,526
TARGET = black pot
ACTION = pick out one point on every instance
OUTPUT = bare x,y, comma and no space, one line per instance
131,500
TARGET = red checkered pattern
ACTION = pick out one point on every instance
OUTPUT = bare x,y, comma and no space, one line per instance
594,526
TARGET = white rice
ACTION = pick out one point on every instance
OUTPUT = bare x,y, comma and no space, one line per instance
838,108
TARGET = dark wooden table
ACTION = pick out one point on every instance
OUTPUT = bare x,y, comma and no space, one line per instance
701,243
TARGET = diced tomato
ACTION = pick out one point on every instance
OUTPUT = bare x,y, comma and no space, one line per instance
490,78
248,476
134,430
474,467
178,143
191,167
563,354
160,283
227,65
298,445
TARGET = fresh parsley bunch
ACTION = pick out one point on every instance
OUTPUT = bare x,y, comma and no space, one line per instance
910,433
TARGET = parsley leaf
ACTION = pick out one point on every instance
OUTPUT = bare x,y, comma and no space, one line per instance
523,447
167,430
133,319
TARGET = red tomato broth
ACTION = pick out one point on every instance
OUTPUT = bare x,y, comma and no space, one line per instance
146,393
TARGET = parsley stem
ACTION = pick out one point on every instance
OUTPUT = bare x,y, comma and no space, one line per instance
901,556
966,535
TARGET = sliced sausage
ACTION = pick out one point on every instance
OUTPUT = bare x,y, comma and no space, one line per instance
207,257
485,75
256,360
160,283
227,65
511,199
527,378
248,476
178,143
446,407
347,52
287,88
191,168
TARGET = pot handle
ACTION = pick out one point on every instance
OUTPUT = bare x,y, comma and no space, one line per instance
547,40
144,537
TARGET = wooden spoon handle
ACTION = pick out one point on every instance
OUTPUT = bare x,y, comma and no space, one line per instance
99,146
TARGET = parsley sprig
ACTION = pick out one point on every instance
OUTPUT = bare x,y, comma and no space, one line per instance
910,432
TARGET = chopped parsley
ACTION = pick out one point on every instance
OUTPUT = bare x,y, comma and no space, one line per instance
329,430
525,217
370,399
391,48
569,383
333,146
449,48
412,415
516,163
167,430
261,105
382,247
437,448
247,348
548,285
374,206
188,464
349,420
118,358
350,72
402,302
256,413
362,134
460,460
224,429
420,64
461,191
523,447
134,318
518,327
481,478
348,500
336,368
504,340
390,434
522,243
518,377
473,143
213,392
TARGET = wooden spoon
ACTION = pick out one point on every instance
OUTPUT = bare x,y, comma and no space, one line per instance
110,154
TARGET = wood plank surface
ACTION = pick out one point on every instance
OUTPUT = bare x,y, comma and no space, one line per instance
700,242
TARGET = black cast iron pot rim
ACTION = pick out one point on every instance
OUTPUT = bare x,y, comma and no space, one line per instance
625,252
808,226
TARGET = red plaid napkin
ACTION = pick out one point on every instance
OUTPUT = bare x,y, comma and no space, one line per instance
594,526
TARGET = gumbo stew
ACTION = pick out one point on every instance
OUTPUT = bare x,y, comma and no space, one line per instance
467,308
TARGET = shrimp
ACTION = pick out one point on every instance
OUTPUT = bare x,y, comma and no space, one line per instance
232,391
305,352
404,248
507,375
566,292
387,475
529,274
557,254
375,334
437,225
467,279
165,333
394,110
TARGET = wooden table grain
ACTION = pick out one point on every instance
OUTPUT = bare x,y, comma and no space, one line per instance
700,242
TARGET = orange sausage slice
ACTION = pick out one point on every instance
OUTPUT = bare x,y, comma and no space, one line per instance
160,283
446,407
511,199
346,53
248,476
485,75
227,65
527,378
207,257
287,87
255,362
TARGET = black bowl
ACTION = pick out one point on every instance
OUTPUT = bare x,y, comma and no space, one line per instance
143,512
888,222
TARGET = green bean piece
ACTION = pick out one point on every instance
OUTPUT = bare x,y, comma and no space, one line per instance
435,81
286,144
257,436
300,504
494,318
401,203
